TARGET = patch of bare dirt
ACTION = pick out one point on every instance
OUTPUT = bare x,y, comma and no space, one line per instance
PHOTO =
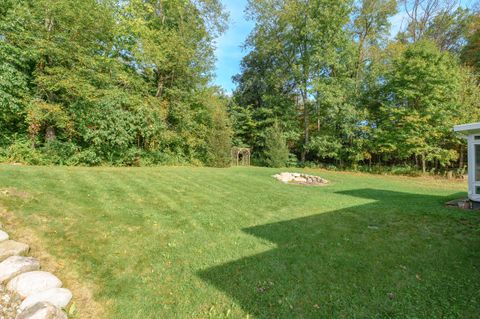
13,192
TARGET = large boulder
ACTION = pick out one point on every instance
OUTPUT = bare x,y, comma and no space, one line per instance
16,265
300,178
59,297
3,235
42,310
284,177
30,283
10,248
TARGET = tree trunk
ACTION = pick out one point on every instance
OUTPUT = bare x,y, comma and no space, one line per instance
306,121
159,87
424,164
359,62
50,134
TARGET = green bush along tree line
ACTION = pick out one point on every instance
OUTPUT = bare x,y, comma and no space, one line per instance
97,82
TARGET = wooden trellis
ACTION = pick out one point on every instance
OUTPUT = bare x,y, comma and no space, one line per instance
241,156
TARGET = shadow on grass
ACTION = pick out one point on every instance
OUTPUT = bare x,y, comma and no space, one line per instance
394,257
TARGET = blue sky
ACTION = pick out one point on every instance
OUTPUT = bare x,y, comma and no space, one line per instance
229,50
229,47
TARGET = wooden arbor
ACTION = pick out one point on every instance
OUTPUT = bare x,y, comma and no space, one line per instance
241,156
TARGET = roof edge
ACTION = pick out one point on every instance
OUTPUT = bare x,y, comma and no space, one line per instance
471,128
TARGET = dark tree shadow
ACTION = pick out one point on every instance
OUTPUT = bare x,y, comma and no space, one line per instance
381,259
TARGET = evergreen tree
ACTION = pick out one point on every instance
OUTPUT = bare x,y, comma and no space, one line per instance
276,150
220,136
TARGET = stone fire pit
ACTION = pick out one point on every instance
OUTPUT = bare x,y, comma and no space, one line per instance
300,178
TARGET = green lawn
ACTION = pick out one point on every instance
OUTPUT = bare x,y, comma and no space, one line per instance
217,243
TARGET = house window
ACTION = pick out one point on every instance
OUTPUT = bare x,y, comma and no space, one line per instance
476,138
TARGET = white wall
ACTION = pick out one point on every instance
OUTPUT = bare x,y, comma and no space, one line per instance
472,183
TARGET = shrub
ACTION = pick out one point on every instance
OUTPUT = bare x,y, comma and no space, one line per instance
292,160
21,151
276,150
220,139
85,157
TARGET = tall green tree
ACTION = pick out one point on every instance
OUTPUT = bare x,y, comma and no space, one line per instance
370,27
263,94
470,53
440,21
170,43
304,37
421,102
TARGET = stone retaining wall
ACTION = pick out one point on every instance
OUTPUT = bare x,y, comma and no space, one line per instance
26,292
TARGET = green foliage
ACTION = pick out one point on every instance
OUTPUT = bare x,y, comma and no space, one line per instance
421,104
304,40
470,53
325,146
220,136
450,29
351,95
121,83
276,153
21,151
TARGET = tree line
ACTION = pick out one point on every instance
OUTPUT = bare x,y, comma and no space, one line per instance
323,82
96,82
343,89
